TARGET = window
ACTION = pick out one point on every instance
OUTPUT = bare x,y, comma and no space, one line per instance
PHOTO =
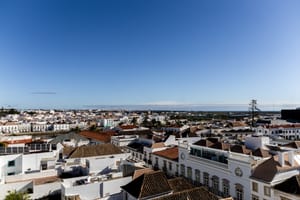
189,173
170,166
225,188
254,187
239,192
254,197
197,176
267,191
11,173
165,164
156,161
11,163
215,184
182,170
206,179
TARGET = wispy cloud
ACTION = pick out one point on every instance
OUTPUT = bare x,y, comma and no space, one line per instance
44,93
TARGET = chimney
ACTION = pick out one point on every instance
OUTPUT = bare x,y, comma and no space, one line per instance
291,158
281,158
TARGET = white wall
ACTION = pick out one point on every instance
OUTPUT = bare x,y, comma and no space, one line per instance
33,161
221,170
161,164
4,169
30,176
95,190
40,191
97,164
256,142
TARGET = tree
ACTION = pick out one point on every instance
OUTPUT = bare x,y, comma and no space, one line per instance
14,195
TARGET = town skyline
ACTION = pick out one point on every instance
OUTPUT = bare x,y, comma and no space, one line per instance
58,54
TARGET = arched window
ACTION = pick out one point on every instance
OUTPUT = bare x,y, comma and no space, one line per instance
206,179
226,188
239,190
189,173
215,184
182,170
197,177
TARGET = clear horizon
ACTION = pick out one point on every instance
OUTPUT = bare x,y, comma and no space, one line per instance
67,54
173,107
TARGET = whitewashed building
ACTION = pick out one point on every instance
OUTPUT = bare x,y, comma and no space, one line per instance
123,140
273,172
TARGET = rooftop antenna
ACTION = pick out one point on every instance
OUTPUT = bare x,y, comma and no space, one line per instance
253,108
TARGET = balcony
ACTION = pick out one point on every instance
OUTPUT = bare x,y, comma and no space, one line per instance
207,161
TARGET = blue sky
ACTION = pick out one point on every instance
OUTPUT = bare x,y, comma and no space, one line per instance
110,52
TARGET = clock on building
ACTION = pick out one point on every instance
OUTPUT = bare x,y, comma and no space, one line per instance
182,156
238,171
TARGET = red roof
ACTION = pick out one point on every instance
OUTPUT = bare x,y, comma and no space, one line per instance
171,153
24,141
101,136
284,126
124,127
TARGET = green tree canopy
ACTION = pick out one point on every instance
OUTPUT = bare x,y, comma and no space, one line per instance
14,195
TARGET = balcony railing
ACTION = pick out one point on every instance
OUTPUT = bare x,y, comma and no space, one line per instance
208,161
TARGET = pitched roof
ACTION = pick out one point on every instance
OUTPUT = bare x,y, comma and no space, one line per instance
69,136
95,150
205,143
179,184
129,126
267,170
148,185
138,145
171,153
291,185
101,136
221,145
199,193
240,149
283,126
259,152
158,145
140,172
294,144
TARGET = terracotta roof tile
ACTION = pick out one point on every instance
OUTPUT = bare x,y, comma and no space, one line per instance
284,126
290,186
204,143
179,184
158,145
139,172
259,152
95,150
148,185
199,193
294,144
267,170
101,136
240,149
171,153
126,127
221,145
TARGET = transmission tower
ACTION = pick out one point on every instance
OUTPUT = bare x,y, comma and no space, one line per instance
253,108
